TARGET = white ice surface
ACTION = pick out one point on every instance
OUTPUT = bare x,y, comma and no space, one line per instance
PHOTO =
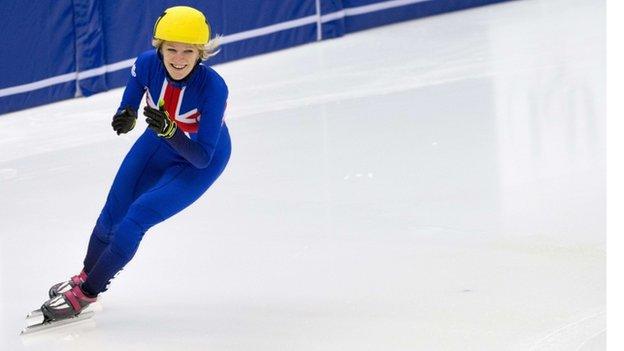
431,185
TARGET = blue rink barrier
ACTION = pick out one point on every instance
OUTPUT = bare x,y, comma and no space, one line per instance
55,50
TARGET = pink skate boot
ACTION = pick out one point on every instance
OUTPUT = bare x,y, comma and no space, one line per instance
60,288
68,304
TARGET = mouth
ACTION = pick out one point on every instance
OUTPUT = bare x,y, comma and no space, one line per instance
178,67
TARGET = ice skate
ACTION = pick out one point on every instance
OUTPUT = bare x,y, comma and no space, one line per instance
69,307
60,288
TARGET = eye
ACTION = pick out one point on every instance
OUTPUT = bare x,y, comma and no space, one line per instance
188,51
171,50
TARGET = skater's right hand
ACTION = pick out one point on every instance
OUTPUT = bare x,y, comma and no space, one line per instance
124,120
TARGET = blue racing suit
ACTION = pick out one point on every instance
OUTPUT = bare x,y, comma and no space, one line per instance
159,177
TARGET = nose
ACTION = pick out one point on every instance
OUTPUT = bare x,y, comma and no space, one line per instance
178,57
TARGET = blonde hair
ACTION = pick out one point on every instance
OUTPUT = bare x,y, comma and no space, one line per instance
205,51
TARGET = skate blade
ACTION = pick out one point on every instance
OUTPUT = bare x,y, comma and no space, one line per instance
34,314
42,325
94,307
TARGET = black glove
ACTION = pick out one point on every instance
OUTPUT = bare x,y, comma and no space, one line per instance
124,120
160,121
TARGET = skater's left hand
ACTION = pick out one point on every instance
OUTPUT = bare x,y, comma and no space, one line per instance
160,121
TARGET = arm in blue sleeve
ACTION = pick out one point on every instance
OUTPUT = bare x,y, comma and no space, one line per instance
134,87
199,152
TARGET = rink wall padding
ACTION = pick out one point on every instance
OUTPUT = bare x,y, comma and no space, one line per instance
55,50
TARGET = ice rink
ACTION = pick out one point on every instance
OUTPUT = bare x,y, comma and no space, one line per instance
437,184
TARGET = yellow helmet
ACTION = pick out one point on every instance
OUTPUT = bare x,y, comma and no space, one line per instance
182,24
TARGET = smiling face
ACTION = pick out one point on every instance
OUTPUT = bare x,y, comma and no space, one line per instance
179,58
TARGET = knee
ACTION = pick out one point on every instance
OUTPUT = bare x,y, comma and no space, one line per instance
103,229
110,216
143,216
126,239
129,233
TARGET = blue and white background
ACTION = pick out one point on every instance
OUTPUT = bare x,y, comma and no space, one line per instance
54,50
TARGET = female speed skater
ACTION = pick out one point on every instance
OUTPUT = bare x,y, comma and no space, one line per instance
181,153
